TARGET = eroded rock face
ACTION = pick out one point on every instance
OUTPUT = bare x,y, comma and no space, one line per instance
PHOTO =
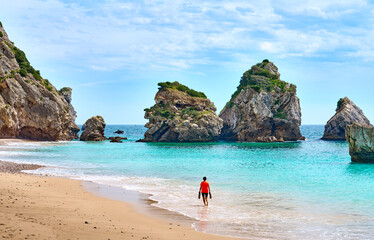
346,113
30,106
263,109
181,115
360,138
93,129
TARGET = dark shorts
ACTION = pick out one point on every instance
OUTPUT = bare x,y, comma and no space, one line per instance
205,195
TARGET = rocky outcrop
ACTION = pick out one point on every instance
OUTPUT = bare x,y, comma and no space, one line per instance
346,113
93,129
116,139
181,115
30,106
263,109
119,132
360,138
66,92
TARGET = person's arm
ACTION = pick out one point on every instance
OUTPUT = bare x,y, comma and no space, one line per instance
200,188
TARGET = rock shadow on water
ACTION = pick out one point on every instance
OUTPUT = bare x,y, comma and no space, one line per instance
260,145
163,145
360,169
226,144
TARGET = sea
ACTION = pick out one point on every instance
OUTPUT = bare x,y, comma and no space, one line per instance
293,190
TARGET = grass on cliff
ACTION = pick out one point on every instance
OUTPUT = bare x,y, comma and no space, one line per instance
190,112
158,110
26,68
176,85
340,103
65,89
23,62
260,79
163,110
280,114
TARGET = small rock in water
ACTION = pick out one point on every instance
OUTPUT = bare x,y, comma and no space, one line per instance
119,131
346,113
94,130
116,139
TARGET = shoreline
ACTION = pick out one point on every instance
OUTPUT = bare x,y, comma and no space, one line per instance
38,207
138,200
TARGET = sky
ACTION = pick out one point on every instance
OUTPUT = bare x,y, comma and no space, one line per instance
113,53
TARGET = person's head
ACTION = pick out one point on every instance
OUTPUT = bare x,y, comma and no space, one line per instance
204,178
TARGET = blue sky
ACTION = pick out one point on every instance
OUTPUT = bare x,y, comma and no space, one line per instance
113,53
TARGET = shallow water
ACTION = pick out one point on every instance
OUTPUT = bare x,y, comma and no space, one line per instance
299,190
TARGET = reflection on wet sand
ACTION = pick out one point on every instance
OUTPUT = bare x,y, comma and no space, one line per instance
203,216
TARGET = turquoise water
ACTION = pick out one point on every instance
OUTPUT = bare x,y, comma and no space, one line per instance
299,190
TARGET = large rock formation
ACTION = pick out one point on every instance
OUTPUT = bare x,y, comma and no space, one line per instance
181,115
30,106
263,109
93,129
346,113
360,138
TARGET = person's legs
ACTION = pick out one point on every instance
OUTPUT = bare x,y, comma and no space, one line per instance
205,198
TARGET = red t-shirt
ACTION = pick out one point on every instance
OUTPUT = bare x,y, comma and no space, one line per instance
204,187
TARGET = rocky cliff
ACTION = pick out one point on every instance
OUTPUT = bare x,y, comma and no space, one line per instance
360,138
346,113
93,129
263,109
181,115
30,106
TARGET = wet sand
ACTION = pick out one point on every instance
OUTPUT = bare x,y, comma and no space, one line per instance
37,207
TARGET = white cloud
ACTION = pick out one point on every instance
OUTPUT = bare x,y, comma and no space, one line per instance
112,34
320,8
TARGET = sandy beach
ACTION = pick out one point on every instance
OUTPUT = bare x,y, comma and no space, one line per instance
38,207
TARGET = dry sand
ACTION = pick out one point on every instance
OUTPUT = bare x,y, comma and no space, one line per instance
37,207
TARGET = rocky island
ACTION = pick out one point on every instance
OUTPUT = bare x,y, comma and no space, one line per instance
346,113
263,108
93,129
30,106
181,114
360,138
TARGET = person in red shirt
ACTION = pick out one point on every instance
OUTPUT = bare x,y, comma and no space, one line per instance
205,190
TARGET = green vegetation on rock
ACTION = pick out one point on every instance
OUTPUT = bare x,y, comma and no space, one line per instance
23,72
280,114
23,63
191,112
176,85
1,34
65,89
47,84
340,103
13,74
160,110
